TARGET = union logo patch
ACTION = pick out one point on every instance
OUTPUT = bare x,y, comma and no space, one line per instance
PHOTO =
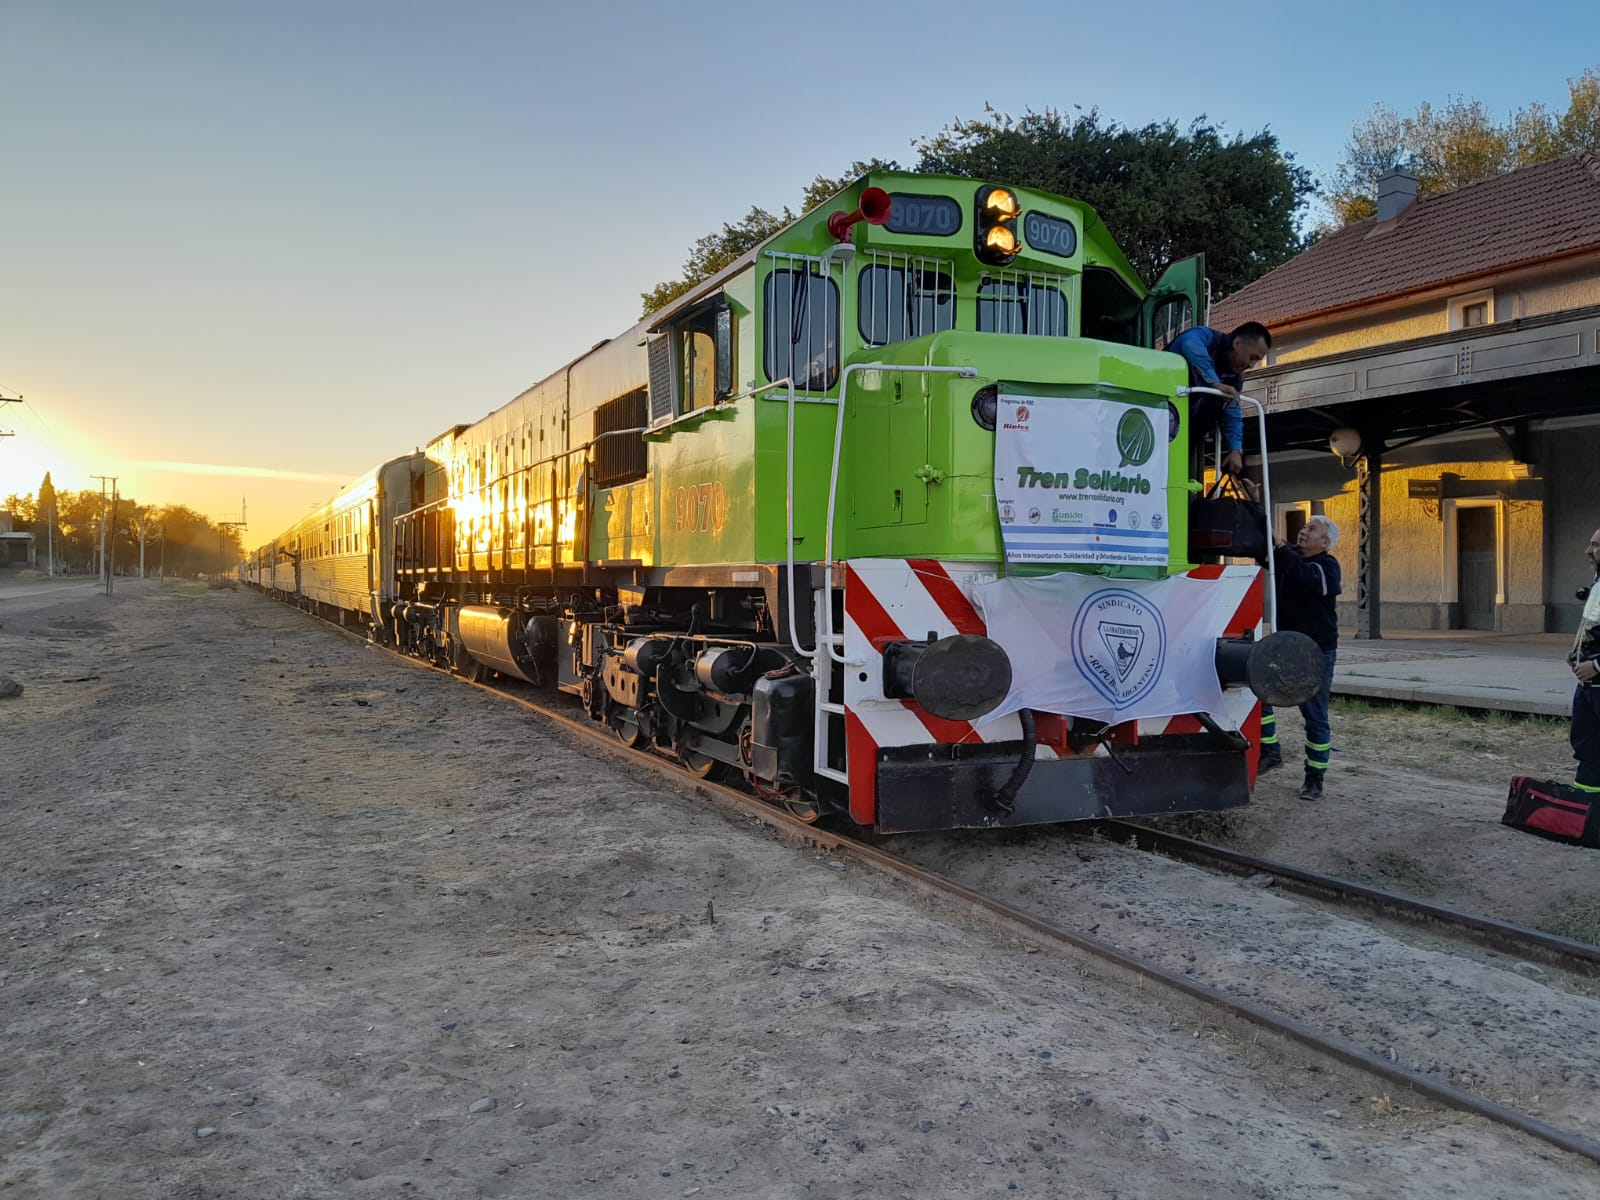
1119,644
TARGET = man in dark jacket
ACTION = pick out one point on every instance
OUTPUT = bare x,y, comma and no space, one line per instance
1308,582
1584,659
1219,360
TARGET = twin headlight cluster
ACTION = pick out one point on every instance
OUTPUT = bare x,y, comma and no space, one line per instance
995,237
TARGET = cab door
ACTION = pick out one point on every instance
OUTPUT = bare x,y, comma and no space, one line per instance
888,446
1176,302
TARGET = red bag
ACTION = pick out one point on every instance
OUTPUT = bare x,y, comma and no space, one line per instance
1554,810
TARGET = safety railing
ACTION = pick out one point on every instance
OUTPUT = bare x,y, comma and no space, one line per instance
1270,601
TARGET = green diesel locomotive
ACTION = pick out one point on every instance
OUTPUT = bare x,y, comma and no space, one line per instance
888,519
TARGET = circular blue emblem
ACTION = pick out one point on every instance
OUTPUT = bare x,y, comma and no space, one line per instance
1119,644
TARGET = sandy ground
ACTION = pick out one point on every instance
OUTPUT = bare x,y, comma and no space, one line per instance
288,917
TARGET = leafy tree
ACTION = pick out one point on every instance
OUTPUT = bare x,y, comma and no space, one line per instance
821,189
187,542
717,250
1460,143
1163,191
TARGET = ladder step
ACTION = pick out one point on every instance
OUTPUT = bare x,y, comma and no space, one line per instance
830,773
829,706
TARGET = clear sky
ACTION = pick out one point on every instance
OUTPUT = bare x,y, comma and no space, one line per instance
248,250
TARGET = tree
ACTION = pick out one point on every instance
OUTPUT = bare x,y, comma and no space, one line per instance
1458,144
1163,191
47,517
717,250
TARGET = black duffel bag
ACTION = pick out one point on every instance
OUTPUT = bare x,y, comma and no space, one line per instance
1227,523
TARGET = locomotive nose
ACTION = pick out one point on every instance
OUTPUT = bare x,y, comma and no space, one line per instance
959,678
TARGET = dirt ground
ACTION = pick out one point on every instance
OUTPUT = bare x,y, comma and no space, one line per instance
286,916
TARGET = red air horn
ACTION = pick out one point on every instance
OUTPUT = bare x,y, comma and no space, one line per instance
874,210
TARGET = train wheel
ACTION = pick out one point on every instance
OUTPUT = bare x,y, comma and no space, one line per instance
626,726
702,766
801,808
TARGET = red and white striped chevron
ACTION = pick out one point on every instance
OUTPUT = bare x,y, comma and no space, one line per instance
908,599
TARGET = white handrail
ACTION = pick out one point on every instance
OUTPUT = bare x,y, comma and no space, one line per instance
1270,604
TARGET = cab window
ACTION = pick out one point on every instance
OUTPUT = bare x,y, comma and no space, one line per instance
802,328
1022,305
899,299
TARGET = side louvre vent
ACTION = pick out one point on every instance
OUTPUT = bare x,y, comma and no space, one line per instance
661,399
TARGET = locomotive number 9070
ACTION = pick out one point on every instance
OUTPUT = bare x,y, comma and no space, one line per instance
702,508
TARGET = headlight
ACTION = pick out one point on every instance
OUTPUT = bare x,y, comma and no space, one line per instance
984,401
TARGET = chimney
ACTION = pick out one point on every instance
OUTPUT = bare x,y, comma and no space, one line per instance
1397,190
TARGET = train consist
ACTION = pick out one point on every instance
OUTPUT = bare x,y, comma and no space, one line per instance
888,519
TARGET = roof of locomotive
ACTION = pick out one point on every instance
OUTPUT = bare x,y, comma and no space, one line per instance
1105,253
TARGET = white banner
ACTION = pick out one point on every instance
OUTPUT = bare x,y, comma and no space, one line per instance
1080,480
1110,650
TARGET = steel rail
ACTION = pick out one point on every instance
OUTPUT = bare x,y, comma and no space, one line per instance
845,845
1576,956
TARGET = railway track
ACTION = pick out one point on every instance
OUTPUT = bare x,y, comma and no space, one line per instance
1578,957
1139,970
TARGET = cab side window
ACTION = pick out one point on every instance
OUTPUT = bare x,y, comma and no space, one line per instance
691,361
802,327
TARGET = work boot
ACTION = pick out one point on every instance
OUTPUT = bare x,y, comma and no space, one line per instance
1311,789
1269,761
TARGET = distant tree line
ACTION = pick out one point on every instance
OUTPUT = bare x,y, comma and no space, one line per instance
1167,190
1459,143
1164,190
175,538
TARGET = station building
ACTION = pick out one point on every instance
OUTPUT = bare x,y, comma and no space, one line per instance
1434,387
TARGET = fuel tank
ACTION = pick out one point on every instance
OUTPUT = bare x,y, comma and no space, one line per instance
512,643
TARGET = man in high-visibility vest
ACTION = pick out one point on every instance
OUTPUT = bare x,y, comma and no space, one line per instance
1308,586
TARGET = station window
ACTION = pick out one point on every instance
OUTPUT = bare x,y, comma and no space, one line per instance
1022,304
901,298
1472,310
802,327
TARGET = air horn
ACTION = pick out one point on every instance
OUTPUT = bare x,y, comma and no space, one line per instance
874,210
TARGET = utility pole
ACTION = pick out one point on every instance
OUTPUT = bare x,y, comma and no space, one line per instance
104,481
222,551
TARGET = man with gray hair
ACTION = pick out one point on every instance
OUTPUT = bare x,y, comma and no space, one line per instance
1308,584
1584,659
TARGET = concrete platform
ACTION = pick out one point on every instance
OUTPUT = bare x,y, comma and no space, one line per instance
1522,673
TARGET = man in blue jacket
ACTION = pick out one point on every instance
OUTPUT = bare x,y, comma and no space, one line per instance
1219,360
1308,583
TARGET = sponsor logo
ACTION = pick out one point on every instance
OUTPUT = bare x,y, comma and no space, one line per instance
1136,438
1022,412
1133,520
1119,644
1066,516
1033,516
1008,514
1155,520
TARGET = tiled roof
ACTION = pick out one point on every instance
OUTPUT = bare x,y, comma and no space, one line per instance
1535,213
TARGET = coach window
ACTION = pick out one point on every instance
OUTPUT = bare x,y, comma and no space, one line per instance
1011,305
802,328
